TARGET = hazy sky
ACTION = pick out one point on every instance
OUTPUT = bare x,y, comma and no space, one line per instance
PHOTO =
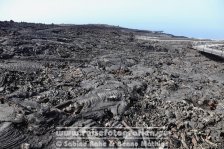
192,18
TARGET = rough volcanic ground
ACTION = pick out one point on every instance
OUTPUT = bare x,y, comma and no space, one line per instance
104,76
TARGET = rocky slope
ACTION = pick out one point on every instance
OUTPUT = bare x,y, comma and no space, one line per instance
103,76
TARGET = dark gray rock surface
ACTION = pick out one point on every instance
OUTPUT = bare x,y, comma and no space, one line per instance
104,76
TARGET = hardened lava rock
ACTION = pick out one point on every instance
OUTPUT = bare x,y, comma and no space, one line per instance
10,135
94,76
